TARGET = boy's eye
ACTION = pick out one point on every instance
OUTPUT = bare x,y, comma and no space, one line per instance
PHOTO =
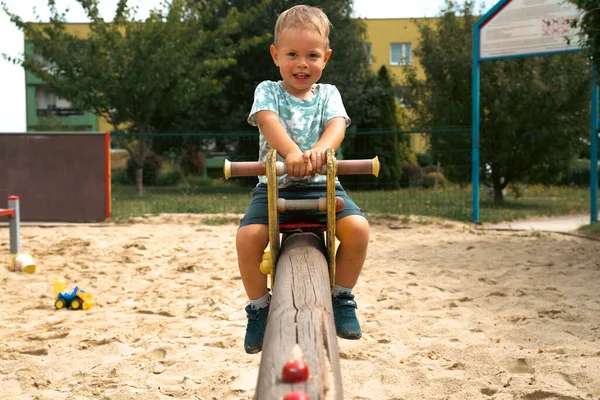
314,56
292,54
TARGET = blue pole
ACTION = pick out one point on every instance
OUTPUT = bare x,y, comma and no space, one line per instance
594,149
475,127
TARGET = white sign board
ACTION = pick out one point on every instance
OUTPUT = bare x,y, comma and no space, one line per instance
528,27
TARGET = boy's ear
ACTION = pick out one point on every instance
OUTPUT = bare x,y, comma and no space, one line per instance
327,55
274,54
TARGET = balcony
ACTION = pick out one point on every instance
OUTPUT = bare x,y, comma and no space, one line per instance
59,112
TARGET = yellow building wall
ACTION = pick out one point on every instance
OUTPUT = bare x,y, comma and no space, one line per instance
381,33
79,30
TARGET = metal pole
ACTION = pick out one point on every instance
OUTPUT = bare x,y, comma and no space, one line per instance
14,223
475,127
594,149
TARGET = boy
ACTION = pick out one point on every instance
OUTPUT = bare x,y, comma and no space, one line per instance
300,119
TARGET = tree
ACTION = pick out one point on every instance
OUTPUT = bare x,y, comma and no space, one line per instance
534,110
348,68
380,111
589,28
141,76
53,124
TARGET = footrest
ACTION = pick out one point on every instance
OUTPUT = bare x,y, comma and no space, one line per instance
308,204
289,227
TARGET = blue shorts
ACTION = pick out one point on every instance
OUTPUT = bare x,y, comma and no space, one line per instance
257,212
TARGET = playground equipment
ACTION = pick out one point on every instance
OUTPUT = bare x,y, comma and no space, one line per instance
14,221
78,299
300,328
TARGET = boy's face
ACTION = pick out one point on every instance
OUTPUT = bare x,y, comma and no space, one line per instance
301,56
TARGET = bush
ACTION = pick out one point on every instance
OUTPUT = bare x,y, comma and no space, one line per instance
410,174
120,177
579,173
192,161
429,180
423,159
200,182
152,166
404,153
170,178
432,168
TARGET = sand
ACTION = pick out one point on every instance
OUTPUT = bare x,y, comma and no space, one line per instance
448,312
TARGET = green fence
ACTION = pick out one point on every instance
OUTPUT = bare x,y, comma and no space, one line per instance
184,175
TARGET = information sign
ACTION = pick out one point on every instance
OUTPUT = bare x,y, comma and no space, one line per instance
529,27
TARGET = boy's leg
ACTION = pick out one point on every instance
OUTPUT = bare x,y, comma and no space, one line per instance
353,234
251,241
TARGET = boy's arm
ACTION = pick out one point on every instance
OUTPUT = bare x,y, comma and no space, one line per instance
278,138
332,137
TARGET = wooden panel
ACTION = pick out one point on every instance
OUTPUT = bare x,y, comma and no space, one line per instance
58,177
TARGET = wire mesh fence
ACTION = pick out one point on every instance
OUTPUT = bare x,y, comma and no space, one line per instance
422,173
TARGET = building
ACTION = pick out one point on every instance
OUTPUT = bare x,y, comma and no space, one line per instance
47,112
391,43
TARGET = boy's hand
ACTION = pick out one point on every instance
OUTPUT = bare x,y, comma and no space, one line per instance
296,166
316,158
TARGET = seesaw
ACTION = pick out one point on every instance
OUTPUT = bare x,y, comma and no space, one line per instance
301,264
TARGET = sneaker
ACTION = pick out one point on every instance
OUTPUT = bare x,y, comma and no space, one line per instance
255,331
344,314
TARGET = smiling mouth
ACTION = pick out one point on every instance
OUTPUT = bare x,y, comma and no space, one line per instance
301,76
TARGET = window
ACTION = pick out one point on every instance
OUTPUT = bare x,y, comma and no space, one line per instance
47,65
47,103
400,54
368,51
44,98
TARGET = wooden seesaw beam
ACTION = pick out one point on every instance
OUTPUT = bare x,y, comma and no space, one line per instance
301,324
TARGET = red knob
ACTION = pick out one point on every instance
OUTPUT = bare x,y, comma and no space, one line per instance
296,396
294,371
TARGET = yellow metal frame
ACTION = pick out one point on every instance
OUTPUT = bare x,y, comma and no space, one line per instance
273,194
269,259
330,240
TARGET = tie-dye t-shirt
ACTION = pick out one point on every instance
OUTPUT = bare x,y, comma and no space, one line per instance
303,119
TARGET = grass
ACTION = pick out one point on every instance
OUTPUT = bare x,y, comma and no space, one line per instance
590,230
157,200
216,221
453,203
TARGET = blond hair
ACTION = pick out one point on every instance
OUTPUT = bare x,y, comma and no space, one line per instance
303,17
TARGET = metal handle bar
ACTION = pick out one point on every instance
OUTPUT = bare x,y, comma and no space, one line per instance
344,167
308,204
